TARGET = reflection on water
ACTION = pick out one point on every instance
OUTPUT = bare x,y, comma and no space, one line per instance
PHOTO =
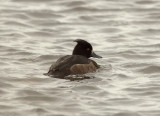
35,33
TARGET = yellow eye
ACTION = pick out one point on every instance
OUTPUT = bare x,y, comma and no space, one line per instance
88,49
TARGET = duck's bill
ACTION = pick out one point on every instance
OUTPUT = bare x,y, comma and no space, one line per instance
95,55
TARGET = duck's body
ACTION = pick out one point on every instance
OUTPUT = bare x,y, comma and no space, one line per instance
77,63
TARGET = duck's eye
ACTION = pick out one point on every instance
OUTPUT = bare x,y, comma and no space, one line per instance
88,49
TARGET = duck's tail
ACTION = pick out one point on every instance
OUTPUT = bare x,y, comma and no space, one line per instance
48,73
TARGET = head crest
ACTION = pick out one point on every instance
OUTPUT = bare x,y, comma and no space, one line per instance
80,41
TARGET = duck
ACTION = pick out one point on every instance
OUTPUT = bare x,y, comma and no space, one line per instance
76,64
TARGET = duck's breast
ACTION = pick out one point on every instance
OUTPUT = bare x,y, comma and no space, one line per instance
84,68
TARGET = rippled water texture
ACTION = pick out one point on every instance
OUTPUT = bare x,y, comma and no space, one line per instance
35,33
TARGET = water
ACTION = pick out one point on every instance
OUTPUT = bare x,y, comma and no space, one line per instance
35,33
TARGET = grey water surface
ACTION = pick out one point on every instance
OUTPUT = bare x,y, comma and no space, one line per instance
35,33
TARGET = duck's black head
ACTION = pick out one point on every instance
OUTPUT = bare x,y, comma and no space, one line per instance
84,48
